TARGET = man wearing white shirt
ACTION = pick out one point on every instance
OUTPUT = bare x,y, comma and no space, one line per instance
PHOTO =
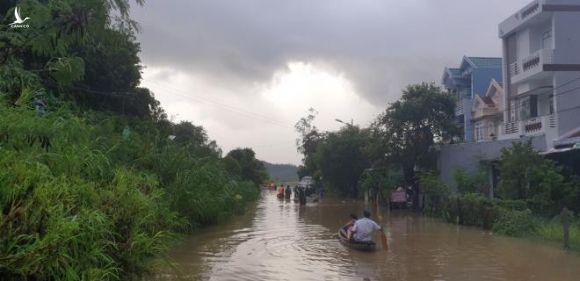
364,228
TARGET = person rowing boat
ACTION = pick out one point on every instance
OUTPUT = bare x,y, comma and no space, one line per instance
363,228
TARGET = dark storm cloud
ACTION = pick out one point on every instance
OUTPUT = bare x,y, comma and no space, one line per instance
379,45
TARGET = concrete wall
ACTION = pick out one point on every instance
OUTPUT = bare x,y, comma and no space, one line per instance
567,101
566,36
567,51
468,156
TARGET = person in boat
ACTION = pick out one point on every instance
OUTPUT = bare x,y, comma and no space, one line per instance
363,228
348,226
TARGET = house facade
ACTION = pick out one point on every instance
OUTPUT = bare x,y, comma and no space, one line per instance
469,80
541,50
487,114
538,97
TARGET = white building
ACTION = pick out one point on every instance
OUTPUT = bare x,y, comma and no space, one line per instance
541,71
541,90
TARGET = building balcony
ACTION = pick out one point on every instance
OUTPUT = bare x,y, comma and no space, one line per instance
459,109
531,67
530,127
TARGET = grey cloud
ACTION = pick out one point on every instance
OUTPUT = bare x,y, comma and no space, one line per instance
379,45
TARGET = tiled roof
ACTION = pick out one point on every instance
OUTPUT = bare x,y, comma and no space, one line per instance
481,62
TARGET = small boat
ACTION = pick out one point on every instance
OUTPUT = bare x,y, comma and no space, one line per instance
361,246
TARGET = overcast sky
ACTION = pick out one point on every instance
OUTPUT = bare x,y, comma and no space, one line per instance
247,70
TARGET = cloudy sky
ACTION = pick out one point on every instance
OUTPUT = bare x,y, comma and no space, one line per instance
247,70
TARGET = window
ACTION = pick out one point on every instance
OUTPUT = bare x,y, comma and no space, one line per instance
478,131
547,39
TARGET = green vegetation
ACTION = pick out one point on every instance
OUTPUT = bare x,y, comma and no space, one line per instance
435,192
533,191
95,182
399,149
467,183
385,155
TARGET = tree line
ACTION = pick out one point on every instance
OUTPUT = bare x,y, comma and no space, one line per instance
386,154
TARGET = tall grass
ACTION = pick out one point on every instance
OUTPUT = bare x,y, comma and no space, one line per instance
554,232
78,201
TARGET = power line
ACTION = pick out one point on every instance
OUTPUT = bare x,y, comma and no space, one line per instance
221,104
555,95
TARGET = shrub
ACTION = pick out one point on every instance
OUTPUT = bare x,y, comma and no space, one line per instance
435,191
515,205
553,231
516,223
471,209
467,183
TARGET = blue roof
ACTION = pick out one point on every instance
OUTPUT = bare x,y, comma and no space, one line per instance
454,71
483,62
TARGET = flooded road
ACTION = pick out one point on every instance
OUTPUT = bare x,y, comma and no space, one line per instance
279,240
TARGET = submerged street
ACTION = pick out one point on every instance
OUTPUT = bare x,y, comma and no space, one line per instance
280,240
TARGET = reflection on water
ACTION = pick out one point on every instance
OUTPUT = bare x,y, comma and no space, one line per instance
279,240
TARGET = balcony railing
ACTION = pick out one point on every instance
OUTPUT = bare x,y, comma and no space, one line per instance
459,108
530,11
531,65
512,128
531,126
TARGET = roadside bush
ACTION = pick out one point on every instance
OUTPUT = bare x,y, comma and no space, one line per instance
515,205
82,200
553,231
516,223
435,191
471,209
470,183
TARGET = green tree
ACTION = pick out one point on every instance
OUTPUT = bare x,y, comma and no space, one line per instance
251,169
308,142
526,175
84,50
341,159
409,128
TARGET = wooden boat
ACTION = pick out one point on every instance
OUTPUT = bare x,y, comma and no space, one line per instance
361,246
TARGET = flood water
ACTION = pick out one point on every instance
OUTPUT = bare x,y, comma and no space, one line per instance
280,240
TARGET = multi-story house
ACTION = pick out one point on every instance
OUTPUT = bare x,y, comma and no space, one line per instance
471,79
541,91
487,114
541,50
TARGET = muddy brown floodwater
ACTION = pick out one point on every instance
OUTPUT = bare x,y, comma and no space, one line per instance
280,240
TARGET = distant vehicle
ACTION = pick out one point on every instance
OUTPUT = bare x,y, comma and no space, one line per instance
306,182
399,198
